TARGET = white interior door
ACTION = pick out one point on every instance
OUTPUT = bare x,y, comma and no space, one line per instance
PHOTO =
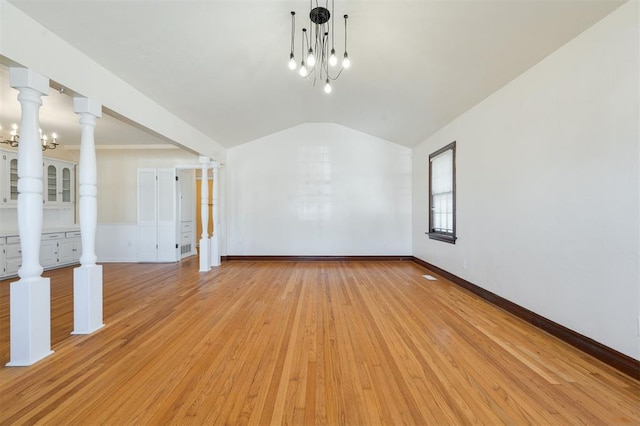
167,216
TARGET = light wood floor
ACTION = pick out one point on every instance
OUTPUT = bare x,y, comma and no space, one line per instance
302,343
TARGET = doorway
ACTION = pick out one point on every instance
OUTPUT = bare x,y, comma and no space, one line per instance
199,208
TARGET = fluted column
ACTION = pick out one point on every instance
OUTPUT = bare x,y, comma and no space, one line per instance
215,238
30,297
87,279
205,259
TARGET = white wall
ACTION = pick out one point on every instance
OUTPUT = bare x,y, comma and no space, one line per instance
116,238
319,189
118,178
548,187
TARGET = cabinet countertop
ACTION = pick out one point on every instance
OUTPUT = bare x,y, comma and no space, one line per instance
14,232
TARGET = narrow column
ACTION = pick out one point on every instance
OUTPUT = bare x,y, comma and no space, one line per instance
205,260
30,297
215,239
87,279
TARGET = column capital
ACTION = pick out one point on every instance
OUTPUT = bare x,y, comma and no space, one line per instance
87,106
204,160
23,77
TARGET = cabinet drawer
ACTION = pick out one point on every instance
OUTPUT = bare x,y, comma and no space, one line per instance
13,265
3,241
13,240
186,238
53,236
13,250
187,226
73,234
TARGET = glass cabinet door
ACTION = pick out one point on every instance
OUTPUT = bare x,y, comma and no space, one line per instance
66,185
13,179
52,184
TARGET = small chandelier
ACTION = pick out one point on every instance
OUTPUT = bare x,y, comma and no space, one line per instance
14,139
317,52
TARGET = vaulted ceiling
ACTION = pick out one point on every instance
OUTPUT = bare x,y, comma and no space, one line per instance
222,65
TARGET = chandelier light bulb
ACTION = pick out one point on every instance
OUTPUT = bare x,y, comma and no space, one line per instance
311,59
346,62
292,62
303,70
48,142
333,59
327,87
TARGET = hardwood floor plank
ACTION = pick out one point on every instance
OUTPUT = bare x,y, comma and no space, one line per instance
273,342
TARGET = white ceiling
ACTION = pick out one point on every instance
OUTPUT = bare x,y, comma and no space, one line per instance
222,65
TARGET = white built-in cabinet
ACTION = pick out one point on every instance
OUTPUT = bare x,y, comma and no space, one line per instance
59,248
3,256
13,256
58,179
56,249
9,172
59,183
162,204
187,213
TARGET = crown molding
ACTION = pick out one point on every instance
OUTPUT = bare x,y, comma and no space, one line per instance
124,146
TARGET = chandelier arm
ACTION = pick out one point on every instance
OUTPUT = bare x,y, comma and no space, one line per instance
310,21
293,30
345,32
337,75
333,31
325,54
302,47
14,142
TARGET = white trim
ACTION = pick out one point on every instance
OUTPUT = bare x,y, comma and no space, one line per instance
128,146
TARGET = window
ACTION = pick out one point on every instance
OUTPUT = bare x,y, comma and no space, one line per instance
442,194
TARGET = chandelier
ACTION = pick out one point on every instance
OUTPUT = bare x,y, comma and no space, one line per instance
317,51
14,139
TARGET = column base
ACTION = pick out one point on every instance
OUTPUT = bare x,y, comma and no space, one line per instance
205,260
87,299
30,321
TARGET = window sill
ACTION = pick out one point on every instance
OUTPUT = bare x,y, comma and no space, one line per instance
440,237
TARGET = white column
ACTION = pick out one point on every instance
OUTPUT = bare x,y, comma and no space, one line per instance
205,259
215,240
87,279
30,297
